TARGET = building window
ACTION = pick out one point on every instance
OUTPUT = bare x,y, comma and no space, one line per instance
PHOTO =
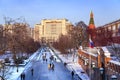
109,28
114,28
118,29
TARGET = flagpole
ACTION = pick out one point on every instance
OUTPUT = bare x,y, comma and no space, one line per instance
89,58
90,65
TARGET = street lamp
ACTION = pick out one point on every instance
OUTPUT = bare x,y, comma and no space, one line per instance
86,62
17,64
113,77
93,65
101,73
101,70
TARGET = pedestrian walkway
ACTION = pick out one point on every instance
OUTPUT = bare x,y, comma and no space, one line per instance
41,71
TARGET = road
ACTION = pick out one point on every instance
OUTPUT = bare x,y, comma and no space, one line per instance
41,71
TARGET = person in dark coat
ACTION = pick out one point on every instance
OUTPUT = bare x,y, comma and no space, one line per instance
72,73
52,66
32,70
23,76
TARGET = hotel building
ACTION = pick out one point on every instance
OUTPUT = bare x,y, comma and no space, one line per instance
49,30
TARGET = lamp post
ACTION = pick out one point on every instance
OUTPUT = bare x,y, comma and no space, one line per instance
113,77
17,64
95,71
102,62
101,73
93,65
17,67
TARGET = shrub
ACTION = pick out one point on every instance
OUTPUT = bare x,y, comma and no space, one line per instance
24,57
7,60
19,60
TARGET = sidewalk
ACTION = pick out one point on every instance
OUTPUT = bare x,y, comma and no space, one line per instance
72,66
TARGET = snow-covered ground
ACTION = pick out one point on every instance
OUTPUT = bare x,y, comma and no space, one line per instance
72,65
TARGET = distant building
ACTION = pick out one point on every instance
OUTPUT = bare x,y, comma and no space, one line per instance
30,31
114,28
50,29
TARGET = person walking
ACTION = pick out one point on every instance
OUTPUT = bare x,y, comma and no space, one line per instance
72,73
52,66
46,60
23,76
32,71
55,59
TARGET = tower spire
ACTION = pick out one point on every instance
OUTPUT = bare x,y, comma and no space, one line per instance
91,22
91,14
91,27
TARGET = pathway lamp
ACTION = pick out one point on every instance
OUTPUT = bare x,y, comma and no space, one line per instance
17,67
86,62
93,65
101,70
101,73
113,77
17,63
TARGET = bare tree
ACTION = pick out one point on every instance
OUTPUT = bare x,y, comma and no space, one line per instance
63,44
3,39
103,37
79,34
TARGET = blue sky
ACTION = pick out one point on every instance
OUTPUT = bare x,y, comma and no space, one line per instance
34,11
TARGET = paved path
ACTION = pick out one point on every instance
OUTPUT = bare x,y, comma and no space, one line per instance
41,71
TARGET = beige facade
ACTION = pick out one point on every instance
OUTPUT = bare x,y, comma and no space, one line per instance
50,30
